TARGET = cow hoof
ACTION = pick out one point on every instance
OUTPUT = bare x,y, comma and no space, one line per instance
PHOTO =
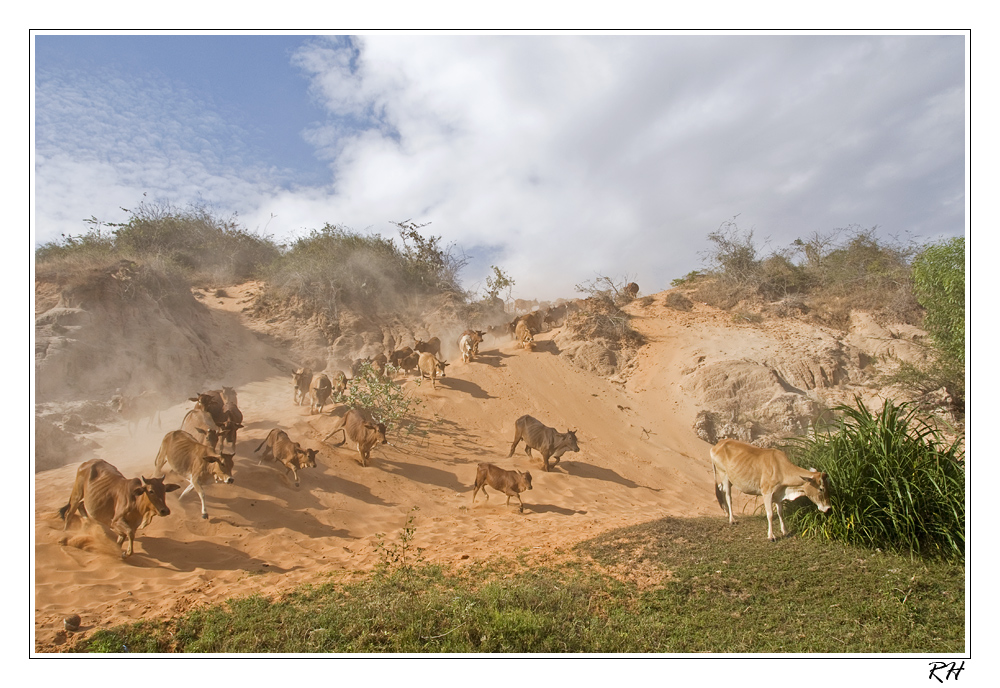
205,516
296,484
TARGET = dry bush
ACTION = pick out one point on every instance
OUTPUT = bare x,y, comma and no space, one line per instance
678,301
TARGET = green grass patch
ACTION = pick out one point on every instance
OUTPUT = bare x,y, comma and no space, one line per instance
674,585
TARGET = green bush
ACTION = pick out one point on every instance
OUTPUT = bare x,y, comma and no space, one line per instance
939,285
897,483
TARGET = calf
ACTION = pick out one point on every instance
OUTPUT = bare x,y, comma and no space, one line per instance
362,431
101,493
339,382
278,447
511,483
320,391
301,379
465,346
766,472
194,462
411,362
430,366
200,424
543,439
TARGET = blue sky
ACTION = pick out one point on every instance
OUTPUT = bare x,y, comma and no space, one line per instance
556,157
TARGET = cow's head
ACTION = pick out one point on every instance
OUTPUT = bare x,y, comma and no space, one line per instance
816,486
307,457
222,467
379,431
524,481
156,492
570,438
440,365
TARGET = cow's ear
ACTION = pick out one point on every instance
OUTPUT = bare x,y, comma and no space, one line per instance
138,490
170,487
239,425
212,459
194,399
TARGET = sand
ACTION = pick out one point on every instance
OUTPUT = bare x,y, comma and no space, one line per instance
639,460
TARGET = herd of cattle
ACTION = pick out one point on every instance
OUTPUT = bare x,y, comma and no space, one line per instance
204,448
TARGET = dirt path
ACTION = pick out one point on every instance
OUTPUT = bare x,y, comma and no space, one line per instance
639,460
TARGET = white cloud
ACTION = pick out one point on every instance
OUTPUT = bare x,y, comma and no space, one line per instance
563,157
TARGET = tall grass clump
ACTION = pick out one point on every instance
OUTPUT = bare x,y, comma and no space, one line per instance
897,483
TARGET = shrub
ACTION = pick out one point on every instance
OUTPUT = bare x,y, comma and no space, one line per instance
939,285
896,482
385,399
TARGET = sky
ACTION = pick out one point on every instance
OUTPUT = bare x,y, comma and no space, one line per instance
557,158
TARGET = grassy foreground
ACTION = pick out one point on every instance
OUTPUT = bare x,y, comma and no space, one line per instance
674,585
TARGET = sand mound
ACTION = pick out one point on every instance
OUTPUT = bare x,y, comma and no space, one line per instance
640,459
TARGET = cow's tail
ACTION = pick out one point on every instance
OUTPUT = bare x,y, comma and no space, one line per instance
720,494
62,512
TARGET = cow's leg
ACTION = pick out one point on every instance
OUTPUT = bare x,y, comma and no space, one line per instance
125,532
545,462
728,488
295,474
781,521
767,510
201,494
517,439
476,488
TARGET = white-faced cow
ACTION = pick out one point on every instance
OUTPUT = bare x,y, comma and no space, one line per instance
362,431
194,462
278,447
301,380
320,392
102,494
465,346
511,483
766,472
430,367
543,439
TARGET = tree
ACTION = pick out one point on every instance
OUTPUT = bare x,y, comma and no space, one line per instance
939,285
498,282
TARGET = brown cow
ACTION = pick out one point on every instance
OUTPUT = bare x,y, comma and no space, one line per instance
339,382
524,336
430,366
301,379
397,356
278,447
766,472
411,362
232,419
631,290
199,423
475,339
135,408
543,439
359,428
101,493
320,391
194,462
511,483
431,346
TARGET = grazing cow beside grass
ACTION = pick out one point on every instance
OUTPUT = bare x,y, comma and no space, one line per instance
362,431
766,472
193,461
102,494
511,483
320,391
429,367
278,447
543,439
301,379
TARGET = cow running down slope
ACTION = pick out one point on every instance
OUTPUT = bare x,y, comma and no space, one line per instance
543,439
363,432
766,472
193,461
511,483
278,447
101,493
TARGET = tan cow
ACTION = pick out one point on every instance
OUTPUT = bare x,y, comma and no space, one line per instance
229,421
362,431
543,439
511,483
766,472
523,334
301,379
101,493
465,346
475,339
339,382
429,367
631,290
320,391
278,447
194,462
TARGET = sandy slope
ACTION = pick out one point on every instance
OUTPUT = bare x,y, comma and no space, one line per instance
639,460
